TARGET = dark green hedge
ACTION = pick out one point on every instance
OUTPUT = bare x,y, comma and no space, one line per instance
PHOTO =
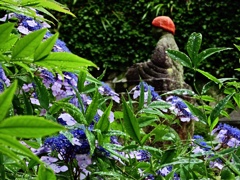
117,34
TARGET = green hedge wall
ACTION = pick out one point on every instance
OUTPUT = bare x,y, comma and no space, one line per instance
117,34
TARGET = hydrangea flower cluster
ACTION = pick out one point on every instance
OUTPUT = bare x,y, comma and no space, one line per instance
68,150
227,136
137,90
199,145
180,109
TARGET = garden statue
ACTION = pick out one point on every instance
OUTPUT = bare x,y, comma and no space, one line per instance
160,71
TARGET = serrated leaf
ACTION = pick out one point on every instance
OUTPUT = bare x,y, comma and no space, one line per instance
9,43
28,127
104,123
10,141
180,57
11,154
142,96
42,93
92,108
27,45
28,106
220,106
236,98
159,105
111,174
91,140
180,92
53,5
193,46
81,80
209,76
45,47
5,31
64,61
26,67
6,100
208,52
130,122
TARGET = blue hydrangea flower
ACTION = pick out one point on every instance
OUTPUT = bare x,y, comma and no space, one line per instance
142,155
66,149
180,109
66,119
59,46
137,90
47,77
106,90
199,144
227,135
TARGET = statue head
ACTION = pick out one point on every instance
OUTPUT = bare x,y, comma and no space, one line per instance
163,23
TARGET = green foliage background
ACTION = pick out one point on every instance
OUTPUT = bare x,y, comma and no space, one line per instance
117,34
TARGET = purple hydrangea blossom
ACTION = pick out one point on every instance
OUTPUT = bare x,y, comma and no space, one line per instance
66,149
180,109
199,145
47,78
106,90
66,119
52,163
137,90
227,135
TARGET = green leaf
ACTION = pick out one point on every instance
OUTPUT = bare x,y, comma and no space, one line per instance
91,140
26,67
197,112
159,105
208,52
168,156
92,108
180,57
6,100
64,61
193,46
104,123
10,141
227,174
53,5
28,127
142,96
27,45
45,47
111,174
42,93
81,80
28,106
219,107
5,150
209,76
130,122
9,43
5,31
180,92
236,98
45,173
237,46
